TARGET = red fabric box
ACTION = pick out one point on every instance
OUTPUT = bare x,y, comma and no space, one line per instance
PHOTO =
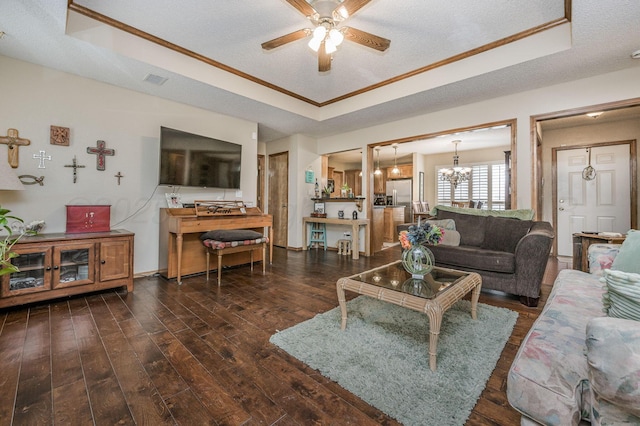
86,218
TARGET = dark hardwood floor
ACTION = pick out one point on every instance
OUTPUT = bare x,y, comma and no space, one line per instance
198,354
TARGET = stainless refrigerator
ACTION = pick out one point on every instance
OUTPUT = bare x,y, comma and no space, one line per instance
400,191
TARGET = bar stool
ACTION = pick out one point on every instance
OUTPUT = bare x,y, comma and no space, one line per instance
318,235
344,247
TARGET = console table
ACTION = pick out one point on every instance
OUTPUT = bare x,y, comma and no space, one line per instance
181,251
355,225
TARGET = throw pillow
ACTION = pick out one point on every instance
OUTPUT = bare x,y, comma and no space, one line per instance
451,237
503,234
443,223
231,235
627,258
621,298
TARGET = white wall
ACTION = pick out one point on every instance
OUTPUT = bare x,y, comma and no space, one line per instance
34,98
604,88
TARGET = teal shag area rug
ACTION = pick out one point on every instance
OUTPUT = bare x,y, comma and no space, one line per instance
382,356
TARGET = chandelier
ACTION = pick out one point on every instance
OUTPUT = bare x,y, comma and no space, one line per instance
455,174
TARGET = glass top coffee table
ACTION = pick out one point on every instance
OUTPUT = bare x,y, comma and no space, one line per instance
439,290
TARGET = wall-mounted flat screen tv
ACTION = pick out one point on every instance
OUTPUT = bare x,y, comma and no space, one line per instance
187,159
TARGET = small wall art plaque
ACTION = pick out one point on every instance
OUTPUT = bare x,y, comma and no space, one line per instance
59,136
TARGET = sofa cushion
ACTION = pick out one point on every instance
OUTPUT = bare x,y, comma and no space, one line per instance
627,258
503,234
613,355
622,296
470,227
548,380
471,257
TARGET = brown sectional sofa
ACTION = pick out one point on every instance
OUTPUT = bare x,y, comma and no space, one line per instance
510,254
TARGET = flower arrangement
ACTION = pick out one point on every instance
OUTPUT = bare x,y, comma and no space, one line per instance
422,233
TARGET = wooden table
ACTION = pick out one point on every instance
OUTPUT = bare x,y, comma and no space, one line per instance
433,296
180,230
581,243
355,225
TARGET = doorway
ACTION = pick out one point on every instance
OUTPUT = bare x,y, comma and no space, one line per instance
279,197
260,183
592,190
580,128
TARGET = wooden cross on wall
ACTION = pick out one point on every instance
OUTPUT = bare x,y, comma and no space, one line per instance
13,142
101,150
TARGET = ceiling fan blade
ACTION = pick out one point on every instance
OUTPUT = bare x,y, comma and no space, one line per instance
287,38
324,59
348,8
302,6
366,39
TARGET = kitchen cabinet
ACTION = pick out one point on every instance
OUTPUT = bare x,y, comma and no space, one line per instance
353,178
406,172
393,216
377,228
380,182
58,265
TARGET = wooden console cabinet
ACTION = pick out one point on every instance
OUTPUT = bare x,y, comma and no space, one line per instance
59,265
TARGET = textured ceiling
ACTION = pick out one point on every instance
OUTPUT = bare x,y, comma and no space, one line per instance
280,89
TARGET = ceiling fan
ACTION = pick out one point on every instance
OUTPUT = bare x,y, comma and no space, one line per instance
325,15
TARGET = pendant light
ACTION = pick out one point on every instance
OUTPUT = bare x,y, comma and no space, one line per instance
395,169
378,171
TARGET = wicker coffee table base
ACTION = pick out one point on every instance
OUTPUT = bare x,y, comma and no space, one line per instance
434,308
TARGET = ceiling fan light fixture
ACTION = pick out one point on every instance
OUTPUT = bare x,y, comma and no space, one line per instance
329,46
336,36
314,44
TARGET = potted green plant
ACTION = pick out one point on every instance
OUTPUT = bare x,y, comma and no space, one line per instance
326,192
344,190
6,243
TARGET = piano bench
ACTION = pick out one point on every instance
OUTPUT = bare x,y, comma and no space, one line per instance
221,248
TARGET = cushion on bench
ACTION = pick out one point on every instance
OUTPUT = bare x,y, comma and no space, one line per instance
224,238
218,245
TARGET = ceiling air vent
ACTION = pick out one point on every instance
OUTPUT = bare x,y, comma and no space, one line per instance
155,79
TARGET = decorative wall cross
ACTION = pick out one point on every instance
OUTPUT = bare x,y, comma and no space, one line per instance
119,176
41,157
13,142
75,166
101,151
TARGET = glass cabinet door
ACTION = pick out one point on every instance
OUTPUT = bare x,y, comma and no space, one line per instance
34,272
74,264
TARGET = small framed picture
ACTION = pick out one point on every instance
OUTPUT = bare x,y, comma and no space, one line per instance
318,208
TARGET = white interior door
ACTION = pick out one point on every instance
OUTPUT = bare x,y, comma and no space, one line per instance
599,205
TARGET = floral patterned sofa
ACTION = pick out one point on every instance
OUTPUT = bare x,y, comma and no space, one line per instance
577,365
